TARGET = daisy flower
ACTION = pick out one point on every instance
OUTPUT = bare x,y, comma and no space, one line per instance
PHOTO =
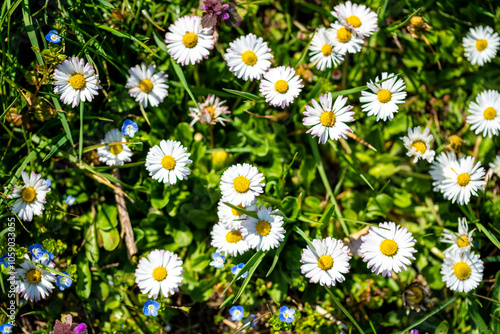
228,241
167,162
31,196
286,314
326,262
280,86
264,233
459,242
187,41
146,86
209,111
438,167
344,39
322,54
115,154
218,260
129,128
151,308
240,184
64,282
159,272
415,296
76,81
462,271
387,248
248,57
418,144
232,218
358,18
496,165
485,114
481,45
462,179
33,283
328,119
385,97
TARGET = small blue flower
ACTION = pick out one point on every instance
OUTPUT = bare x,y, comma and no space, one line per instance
53,37
69,199
218,261
46,257
151,307
236,313
250,318
286,314
48,182
6,328
4,261
64,282
129,128
36,250
236,269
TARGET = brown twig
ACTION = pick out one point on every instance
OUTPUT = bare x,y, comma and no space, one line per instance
127,231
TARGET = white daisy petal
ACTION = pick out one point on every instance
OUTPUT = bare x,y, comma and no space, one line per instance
385,97
240,184
418,144
280,86
358,18
117,154
264,233
146,86
248,57
481,45
167,162
462,271
484,114
31,196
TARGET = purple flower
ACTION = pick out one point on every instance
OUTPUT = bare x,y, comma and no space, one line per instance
217,13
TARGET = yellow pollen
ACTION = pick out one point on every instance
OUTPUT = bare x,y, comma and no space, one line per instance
190,40
463,179
116,149
481,44
241,184
249,58
236,212
463,241
455,141
77,81
263,228
326,49
159,274
489,113
388,247
343,35
168,162
461,270
417,21
28,194
146,85
414,295
281,86
211,112
327,118
34,276
419,146
354,21
325,262
233,237
384,96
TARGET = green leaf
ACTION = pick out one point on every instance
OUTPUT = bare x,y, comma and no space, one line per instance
247,95
110,239
182,78
91,247
442,328
107,218
84,283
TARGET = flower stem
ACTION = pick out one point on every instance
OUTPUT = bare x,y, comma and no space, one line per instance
80,144
211,132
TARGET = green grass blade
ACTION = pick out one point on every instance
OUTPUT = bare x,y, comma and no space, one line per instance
247,95
182,78
335,299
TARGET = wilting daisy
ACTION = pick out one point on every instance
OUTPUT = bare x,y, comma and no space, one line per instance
75,80
187,41
485,113
438,167
415,296
248,57
31,196
344,39
387,248
462,271
462,179
64,282
228,241
146,86
322,54
159,272
218,260
481,45
232,218
286,314
33,283
240,184
151,308
209,111
236,313
264,233
459,242
418,144
328,119
280,86
167,162
496,165
115,154
358,18
326,263
385,97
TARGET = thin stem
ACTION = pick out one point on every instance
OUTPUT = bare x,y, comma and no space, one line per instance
344,71
80,144
344,310
211,132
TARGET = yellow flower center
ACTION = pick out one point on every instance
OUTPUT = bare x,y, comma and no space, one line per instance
481,44
249,58
354,21
414,295
455,141
416,21
116,149
463,179
233,237
281,86
190,40
236,212
343,35
419,146
461,270
77,81
34,276
211,112
28,194
489,113
326,49
388,247
463,241
168,162
241,184
146,85
327,118
384,96
325,262
263,228
159,274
